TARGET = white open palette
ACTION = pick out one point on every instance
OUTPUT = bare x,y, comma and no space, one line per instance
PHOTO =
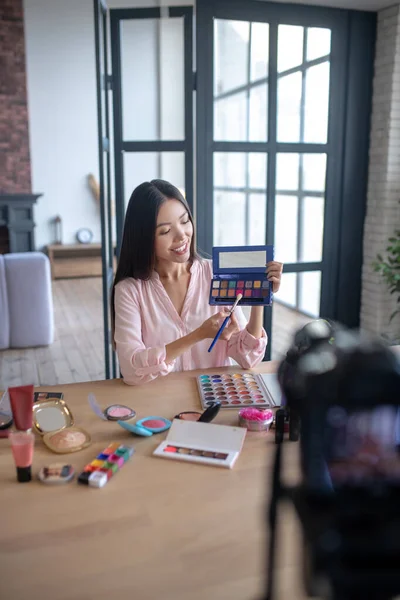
239,390
203,443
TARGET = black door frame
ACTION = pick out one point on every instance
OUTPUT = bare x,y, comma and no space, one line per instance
120,145
352,55
104,150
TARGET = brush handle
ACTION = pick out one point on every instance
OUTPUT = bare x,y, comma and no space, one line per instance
215,340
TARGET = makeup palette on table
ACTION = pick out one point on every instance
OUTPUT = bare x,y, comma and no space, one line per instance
238,390
241,270
203,443
105,465
53,420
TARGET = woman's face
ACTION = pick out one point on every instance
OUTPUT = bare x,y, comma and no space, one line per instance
174,232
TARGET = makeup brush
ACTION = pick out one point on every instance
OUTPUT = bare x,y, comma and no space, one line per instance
224,324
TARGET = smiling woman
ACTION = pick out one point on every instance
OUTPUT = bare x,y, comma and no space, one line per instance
161,316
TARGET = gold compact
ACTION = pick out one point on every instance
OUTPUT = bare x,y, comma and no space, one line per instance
54,421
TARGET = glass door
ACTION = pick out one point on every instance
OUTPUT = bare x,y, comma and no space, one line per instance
271,123
152,68
104,149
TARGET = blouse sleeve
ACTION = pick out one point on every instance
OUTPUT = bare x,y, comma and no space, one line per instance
243,347
138,364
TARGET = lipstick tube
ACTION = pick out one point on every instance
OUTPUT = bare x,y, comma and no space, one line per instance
21,400
22,449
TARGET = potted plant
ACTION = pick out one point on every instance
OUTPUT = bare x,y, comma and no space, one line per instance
389,268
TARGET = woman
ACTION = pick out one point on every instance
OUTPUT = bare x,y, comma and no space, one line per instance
162,320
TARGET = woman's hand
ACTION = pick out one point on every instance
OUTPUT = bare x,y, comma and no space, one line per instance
274,273
210,328
231,328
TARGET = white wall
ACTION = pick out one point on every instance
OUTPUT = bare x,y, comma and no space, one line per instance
61,83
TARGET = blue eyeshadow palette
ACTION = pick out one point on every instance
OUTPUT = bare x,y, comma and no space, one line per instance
241,270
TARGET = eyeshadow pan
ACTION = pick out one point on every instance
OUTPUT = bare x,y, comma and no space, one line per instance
247,294
215,294
232,284
215,284
249,284
224,284
240,284
223,293
265,284
231,293
257,284
170,449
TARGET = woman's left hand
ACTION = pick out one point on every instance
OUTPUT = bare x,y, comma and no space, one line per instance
274,273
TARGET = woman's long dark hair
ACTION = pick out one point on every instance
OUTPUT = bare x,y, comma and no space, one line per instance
137,257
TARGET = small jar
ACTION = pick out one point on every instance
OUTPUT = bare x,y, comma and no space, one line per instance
255,419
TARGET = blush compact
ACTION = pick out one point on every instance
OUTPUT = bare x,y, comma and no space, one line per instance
115,412
147,427
119,412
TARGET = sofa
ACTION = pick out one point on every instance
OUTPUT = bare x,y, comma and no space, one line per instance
26,301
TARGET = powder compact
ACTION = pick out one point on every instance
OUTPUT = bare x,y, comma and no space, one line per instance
53,420
115,412
119,412
241,270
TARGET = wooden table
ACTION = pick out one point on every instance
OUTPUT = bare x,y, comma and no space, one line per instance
159,529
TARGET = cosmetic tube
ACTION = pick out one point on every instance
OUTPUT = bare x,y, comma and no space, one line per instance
21,399
22,449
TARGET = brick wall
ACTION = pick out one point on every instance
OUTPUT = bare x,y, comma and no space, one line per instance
383,208
15,172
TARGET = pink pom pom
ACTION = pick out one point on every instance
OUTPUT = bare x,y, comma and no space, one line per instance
255,414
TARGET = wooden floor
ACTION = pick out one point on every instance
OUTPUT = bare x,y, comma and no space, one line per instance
77,352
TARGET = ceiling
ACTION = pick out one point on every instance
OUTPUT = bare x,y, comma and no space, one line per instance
373,5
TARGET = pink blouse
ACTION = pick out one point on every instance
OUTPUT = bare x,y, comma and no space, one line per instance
146,321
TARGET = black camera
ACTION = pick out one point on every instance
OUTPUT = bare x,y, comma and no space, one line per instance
345,390
287,418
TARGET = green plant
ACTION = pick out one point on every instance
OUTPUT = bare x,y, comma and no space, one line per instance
389,268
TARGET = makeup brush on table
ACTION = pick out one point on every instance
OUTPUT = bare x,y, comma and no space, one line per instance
224,324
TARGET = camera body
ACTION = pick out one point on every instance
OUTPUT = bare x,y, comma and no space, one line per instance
287,418
345,389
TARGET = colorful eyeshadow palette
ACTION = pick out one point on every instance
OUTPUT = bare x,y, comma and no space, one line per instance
239,390
241,270
105,465
203,443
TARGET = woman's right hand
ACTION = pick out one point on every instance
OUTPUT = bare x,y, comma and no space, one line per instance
209,328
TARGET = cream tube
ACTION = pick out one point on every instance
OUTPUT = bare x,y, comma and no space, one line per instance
22,449
21,398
